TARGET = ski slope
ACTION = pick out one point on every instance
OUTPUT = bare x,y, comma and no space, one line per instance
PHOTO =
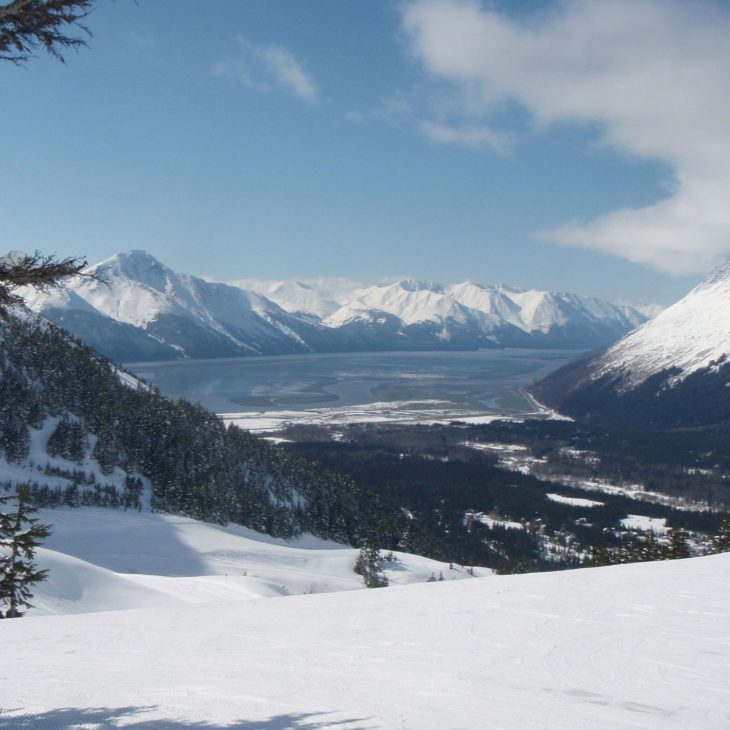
103,560
633,646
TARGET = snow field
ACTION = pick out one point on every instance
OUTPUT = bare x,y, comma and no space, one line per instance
103,560
632,646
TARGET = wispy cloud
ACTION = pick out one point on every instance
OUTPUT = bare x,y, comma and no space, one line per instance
651,76
393,109
475,137
266,66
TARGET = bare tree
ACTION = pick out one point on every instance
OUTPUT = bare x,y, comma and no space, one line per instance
26,25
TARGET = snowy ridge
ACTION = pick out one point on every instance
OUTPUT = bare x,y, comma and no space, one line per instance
189,316
408,300
315,297
138,309
487,307
690,335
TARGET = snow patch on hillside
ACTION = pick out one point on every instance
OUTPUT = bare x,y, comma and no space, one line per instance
103,560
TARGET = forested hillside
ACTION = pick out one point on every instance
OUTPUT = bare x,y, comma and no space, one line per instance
99,420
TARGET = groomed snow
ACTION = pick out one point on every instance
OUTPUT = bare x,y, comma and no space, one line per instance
625,647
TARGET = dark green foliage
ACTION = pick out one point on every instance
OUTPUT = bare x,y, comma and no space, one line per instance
77,495
721,541
196,464
35,270
31,24
689,464
67,440
518,567
641,549
599,556
678,545
441,487
20,533
369,565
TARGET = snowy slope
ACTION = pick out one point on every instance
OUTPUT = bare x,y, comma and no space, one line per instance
672,372
296,296
636,646
541,311
689,335
102,560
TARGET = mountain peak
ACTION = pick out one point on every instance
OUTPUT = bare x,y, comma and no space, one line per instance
137,265
719,275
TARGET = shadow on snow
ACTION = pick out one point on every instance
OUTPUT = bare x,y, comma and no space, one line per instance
109,717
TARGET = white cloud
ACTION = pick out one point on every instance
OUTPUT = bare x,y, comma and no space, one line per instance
652,75
476,137
392,109
266,66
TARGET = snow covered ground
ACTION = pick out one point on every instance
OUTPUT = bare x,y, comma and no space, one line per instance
574,501
424,412
102,560
657,525
631,646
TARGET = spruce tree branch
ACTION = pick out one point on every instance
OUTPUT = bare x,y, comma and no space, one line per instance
26,25
37,271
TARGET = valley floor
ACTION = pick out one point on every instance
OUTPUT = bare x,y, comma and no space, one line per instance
632,646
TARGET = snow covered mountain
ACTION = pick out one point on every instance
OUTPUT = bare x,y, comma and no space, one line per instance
143,310
674,369
169,315
316,298
468,315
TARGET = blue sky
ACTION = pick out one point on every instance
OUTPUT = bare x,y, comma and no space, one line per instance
439,139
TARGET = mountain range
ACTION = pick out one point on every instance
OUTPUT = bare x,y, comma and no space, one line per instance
673,371
131,307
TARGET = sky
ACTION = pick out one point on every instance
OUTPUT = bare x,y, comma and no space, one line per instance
575,145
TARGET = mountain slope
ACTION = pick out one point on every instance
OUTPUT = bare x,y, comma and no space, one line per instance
185,315
672,371
79,430
631,646
464,316
102,560
145,311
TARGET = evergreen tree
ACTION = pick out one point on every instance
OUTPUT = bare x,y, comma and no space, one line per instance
20,533
721,541
369,566
599,556
678,545
67,441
